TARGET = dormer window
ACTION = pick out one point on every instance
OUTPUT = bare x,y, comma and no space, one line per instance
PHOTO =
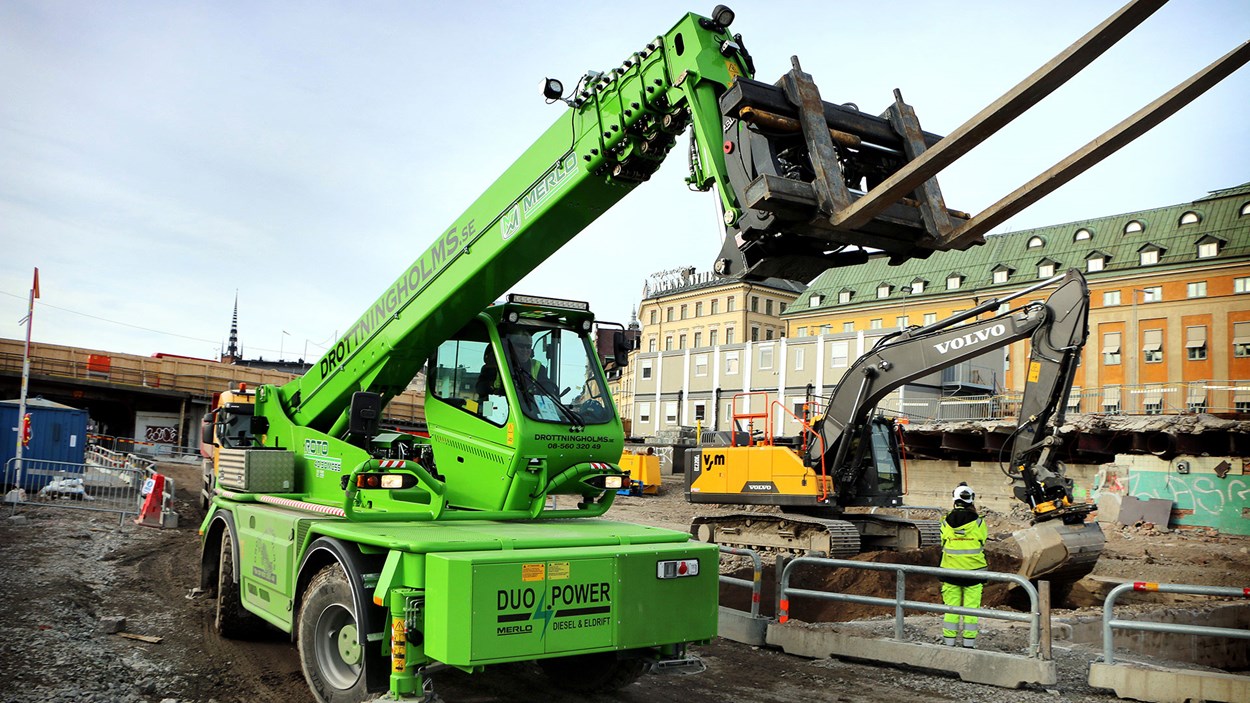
1245,210
1209,247
1046,268
1035,242
1134,226
1096,261
883,290
954,281
1150,254
814,300
1001,273
1082,234
917,286
1190,218
845,295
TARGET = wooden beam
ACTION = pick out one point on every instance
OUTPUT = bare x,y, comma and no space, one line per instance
1101,147
998,114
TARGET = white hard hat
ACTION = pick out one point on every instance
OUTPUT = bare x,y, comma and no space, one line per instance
963,494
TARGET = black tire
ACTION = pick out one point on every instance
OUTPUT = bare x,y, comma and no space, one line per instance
232,621
329,653
593,673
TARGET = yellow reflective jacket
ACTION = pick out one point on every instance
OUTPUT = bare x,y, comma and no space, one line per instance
963,546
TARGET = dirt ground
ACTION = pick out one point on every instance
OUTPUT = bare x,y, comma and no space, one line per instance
61,571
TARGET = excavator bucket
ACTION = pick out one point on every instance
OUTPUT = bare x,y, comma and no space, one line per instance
1059,552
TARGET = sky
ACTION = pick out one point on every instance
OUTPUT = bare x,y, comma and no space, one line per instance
157,157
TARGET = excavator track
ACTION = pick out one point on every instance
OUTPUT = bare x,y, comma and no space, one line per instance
878,532
785,533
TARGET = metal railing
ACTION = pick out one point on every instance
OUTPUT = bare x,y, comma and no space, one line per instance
756,582
75,486
101,456
1109,623
900,603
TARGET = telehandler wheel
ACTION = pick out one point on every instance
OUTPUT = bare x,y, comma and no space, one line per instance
593,673
232,621
330,654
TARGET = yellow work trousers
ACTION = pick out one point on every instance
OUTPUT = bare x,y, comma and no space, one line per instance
952,624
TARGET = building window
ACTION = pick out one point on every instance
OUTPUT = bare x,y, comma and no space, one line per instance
798,358
711,338
1190,218
1045,270
755,303
1155,408
1035,242
731,363
1082,234
654,316
1111,399
1196,289
1245,210
1000,276
844,297
668,315
883,290
1110,298
802,332
917,286
729,304
1152,294
1111,349
1196,343
670,412
681,341
875,323
653,344
668,344
698,309
1094,264
1208,249
715,306
768,333
644,412
848,326
698,339
838,354
755,333
700,364
1241,339
1152,346
729,335
800,409
954,281
646,369
1241,285
1150,257
700,411
1133,227
814,300
901,322
930,318
683,312
783,308
768,306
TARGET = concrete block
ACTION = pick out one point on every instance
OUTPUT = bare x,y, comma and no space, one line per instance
169,520
740,626
1109,507
111,624
1169,685
17,519
973,665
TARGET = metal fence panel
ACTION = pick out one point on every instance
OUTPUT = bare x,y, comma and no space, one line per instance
75,486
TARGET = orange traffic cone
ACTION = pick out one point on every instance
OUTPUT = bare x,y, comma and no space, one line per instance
150,514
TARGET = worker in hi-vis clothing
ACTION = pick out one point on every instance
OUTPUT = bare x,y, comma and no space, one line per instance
963,547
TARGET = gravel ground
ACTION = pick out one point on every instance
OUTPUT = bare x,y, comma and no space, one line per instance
62,571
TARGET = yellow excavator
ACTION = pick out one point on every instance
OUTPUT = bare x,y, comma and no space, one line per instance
849,455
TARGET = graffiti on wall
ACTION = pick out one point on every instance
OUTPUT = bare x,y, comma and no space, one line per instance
1215,502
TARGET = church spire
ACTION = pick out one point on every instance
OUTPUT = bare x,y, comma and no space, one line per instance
232,351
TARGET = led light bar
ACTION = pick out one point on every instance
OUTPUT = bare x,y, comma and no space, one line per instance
548,302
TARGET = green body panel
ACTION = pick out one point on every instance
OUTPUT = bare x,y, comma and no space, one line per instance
495,606
269,551
485,535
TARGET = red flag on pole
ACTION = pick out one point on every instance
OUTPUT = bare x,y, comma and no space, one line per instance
35,288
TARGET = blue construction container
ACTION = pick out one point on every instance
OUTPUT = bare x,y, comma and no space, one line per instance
58,433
